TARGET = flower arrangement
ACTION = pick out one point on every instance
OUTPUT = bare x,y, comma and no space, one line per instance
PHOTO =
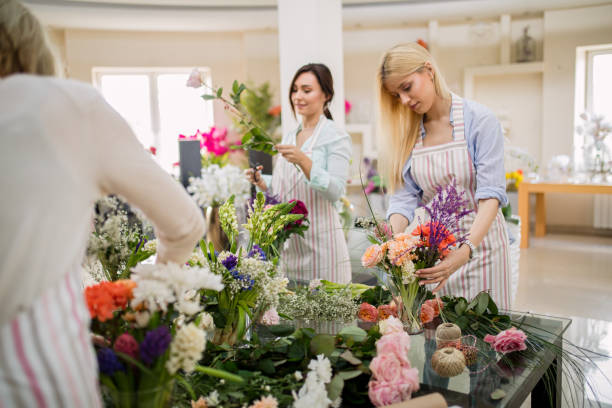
256,137
514,179
118,241
393,379
315,304
217,184
149,332
401,255
596,152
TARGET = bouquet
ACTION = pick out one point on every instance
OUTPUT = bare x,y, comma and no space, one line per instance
217,184
514,179
150,331
118,241
399,256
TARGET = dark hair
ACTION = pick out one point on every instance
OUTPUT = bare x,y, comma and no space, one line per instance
326,82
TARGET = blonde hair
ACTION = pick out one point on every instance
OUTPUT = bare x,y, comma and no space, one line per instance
24,47
398,125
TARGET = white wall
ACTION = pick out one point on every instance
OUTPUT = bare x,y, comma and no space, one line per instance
564,30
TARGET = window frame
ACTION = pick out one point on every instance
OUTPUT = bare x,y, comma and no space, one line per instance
153,73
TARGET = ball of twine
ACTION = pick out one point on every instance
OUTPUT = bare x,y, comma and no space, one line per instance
448,335
448,362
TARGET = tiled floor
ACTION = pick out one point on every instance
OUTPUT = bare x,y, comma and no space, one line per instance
571,276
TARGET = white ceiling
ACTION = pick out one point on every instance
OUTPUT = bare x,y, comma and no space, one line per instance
237,15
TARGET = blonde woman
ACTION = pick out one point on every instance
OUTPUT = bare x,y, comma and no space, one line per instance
430,136
62,148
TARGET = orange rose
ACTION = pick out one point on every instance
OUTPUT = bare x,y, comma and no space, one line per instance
436,304
367,312
385,311
372,256
427,313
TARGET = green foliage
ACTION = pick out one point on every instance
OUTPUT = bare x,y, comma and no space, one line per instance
256,101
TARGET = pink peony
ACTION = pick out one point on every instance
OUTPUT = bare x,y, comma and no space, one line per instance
270,318
367,312
507,341
372,256
127,344
195,79
387,367
396,345
383,393
390,325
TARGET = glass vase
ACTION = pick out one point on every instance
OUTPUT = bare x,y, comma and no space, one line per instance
159,396
409,297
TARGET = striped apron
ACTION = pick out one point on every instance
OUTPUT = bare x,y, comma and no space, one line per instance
489,269
322,253
46,355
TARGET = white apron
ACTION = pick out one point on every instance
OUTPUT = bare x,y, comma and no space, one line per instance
489,269
322,253
46,355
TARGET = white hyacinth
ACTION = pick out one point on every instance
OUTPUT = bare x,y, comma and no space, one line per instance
408,272
313,393
161,284
216,184
186,349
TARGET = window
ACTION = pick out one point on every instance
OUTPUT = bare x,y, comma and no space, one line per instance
593,89
157,105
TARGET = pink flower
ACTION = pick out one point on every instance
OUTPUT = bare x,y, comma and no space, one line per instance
437,305
386,367
367,312
195,79
390,325
200,403
153,150
383,393
372,256
299,208
386,311
270,318
396,345
127,344
347,107
507,341
427,313
265,402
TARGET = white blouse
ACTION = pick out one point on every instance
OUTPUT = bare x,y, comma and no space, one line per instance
62,147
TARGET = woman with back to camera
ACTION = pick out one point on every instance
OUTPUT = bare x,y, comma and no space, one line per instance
63,147
430,137
313,167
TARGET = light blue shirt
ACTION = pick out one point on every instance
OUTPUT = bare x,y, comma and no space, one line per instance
331,157
485,144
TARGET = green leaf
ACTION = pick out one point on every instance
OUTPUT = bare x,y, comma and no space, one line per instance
296,352
334,388
483,303
461,307
186,386
235,87
347,375
213,372
356,333
219,92
323,344
373,240
498,394
281,330
348,356
492,306
208,97
266,366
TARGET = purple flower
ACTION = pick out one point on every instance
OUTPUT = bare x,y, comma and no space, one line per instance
257,252
155,344
230,262
246,283
270,199
108,361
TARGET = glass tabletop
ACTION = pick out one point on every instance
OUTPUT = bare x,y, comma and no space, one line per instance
474,386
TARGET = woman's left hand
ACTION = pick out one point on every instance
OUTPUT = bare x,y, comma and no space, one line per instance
441,272
292,154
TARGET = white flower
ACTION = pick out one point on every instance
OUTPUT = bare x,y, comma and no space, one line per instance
337,403
186,349
322,367
195,79
151,246
298,375
142,318
206,321
390,325
216,184
212,399
408,272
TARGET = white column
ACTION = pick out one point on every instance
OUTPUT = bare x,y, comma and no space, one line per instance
310,31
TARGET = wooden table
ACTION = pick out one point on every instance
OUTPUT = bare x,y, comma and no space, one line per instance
539,189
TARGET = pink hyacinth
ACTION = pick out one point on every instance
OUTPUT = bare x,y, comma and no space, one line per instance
127,344
507,341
